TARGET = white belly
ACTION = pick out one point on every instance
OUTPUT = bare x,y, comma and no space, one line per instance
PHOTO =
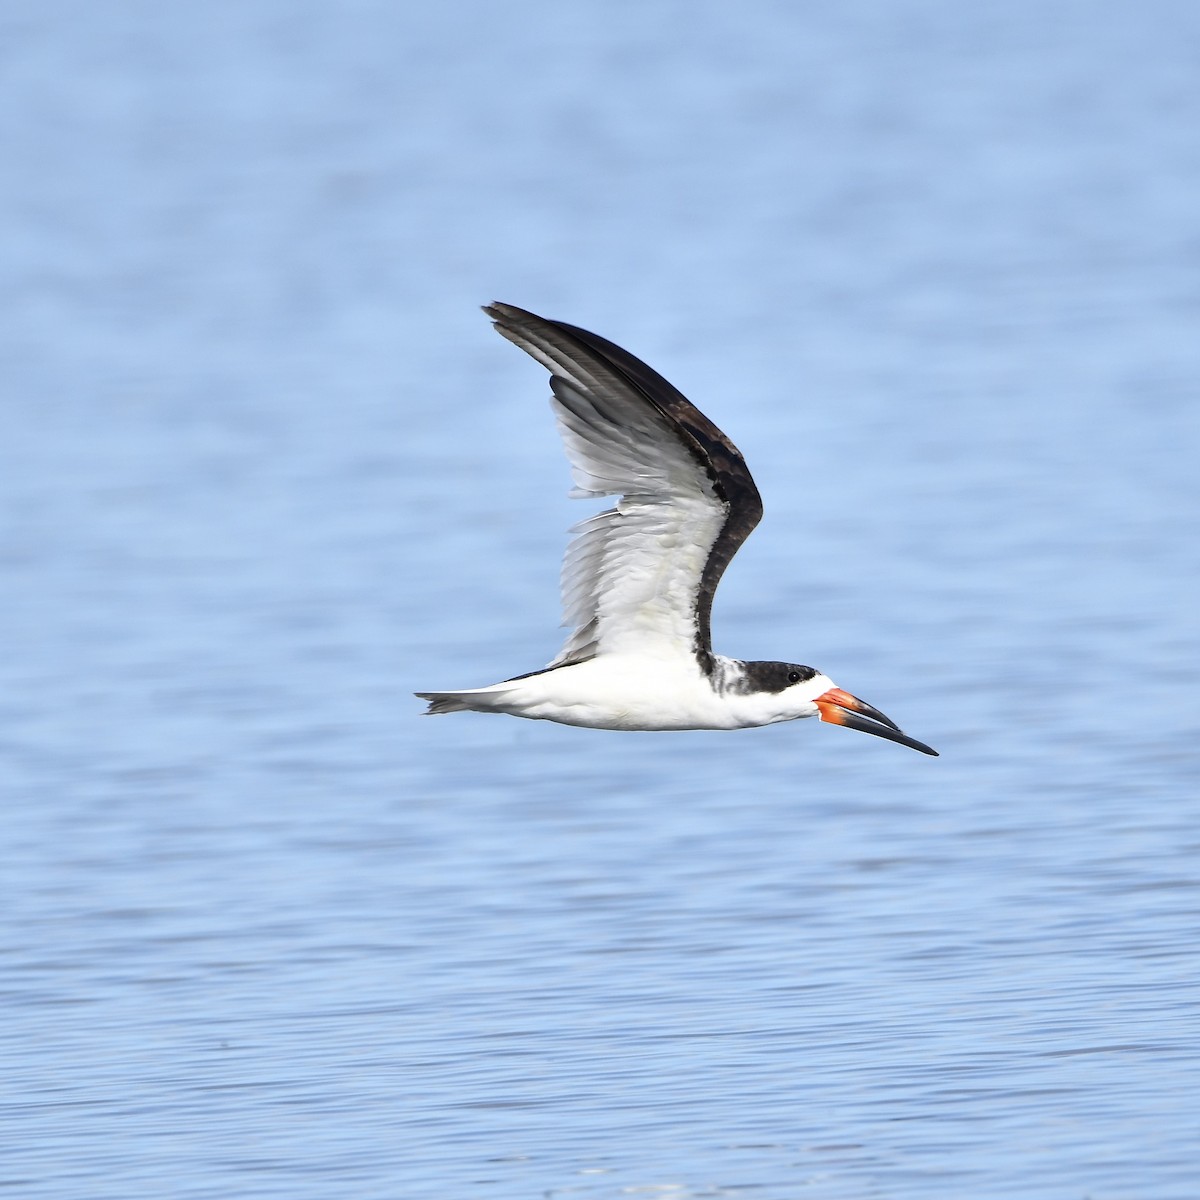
624,692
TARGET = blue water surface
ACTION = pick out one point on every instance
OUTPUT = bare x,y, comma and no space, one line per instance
265,470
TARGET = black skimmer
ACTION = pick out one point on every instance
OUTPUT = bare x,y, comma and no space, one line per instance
638,580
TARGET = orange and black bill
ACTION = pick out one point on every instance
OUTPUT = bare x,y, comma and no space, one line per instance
841,708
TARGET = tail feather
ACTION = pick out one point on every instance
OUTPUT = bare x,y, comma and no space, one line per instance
476,700
443,702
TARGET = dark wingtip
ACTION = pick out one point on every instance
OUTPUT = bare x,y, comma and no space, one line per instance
500,311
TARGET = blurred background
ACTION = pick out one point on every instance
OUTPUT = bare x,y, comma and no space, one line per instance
265,470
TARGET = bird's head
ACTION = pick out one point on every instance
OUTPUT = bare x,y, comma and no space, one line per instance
797,691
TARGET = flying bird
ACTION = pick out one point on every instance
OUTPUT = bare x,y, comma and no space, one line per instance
638,579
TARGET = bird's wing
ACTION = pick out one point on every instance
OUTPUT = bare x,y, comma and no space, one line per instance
640,577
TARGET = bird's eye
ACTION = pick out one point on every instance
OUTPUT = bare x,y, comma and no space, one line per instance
794,677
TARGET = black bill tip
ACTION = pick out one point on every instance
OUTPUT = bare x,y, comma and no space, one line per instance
840,708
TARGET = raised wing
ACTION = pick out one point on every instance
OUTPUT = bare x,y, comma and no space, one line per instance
640,577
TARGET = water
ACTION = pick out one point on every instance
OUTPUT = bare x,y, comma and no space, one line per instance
266,470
